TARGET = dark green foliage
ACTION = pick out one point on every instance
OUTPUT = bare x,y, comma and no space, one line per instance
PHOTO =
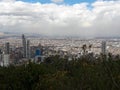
60,74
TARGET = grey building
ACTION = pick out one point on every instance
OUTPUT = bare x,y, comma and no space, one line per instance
28,49
24,45
103,47
7,48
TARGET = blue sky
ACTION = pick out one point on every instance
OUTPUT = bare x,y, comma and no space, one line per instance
70,2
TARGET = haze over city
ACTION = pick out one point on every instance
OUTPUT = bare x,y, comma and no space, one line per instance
85,18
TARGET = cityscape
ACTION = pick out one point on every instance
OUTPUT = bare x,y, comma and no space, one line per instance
59,44
18,51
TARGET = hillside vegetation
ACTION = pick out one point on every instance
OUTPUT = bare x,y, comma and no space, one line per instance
60,74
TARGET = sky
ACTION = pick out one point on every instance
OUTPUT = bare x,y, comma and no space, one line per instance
84,18
70,2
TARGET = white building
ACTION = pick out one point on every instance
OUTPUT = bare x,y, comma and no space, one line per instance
6,58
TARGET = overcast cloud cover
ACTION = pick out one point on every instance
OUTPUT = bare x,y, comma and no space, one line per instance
101,18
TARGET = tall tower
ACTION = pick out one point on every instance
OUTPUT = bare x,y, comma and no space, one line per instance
6,55
24,45
7,48
103,47
28,49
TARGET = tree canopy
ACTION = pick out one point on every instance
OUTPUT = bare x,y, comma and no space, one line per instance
60,74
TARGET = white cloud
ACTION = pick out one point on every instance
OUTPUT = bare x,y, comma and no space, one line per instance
52,19
57,1
7,0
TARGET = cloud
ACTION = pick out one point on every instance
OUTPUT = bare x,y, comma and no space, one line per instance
69,20
57,1
7,0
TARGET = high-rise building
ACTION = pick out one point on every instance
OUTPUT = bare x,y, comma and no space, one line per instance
28,49
6,61
40,48
24,45
39,57
5,56
0,57
0,51
7,48
38,52
103,47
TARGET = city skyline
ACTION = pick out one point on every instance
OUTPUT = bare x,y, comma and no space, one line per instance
86,18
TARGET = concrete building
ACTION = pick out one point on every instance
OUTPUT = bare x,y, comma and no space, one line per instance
6,58
28,49
103,47
38,56
1,62
24,45
7,48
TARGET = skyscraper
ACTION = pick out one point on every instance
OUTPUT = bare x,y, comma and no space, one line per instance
24,45
103,47
6,55
6,60
7,48
28,49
